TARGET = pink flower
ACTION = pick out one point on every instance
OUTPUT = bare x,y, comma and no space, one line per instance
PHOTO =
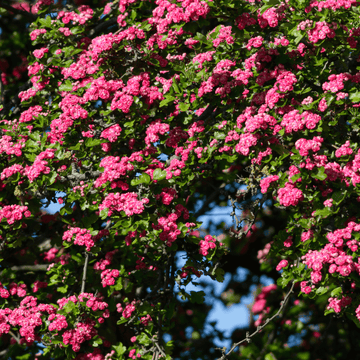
281,264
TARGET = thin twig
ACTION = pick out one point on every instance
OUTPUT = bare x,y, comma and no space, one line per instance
259,328
84,272
159,348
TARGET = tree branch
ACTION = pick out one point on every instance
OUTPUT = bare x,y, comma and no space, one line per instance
18,11
102,26
259,328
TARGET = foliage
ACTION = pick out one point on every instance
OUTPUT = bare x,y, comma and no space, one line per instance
138,117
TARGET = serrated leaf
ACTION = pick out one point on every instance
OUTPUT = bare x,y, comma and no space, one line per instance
167,99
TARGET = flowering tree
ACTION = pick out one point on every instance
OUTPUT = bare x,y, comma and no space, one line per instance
137,117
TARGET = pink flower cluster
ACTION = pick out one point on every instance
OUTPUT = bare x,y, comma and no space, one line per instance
321,31
290,195
336,82
14,213
224,35
7,145
244,20
81,18
339,304
293,121
11,170
82,237
153,131
129,309
259,306
58,322
39,53
108,277
127,202
101,264
84,331
66,31
111,133
39,165
271,17
167,195
39,285
261,255
27,317
201,58
35,33
169,228
265,183
304,145
255,42
205,245
16,289
344,150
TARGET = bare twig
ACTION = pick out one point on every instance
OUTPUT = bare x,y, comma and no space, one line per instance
259,328
83,282
14,337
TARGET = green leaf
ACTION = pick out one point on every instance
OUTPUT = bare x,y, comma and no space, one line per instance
336,292
142,179
104,213
91,142
322,290
24,357
176,86
184,107
218,135
355,97
320,175
62,289
88,220
197,297
67,86
323,212
295,177
159,174
339,196
270,356
120,349
121,321
167,99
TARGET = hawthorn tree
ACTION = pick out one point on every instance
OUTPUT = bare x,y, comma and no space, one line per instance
138,117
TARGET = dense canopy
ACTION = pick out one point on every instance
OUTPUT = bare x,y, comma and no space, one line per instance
138,117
